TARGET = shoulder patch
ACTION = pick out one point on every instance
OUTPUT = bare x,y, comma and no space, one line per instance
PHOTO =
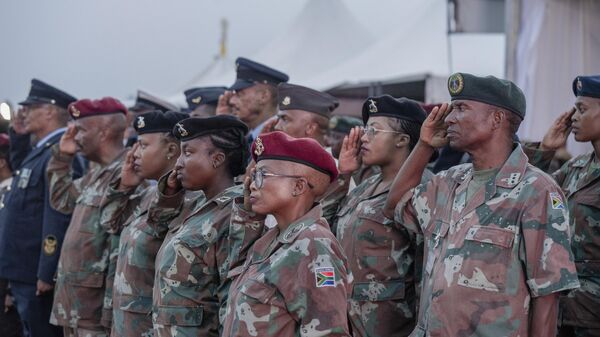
325,277
556,201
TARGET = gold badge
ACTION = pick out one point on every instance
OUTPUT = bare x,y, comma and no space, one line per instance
182,131
259,148
50,243
372,106
140,122
197,100
579,85
286,100
75,112
456,84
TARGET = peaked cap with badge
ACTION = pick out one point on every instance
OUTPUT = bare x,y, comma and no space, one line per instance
195,127
43,93
307,151
96,107
249,72
203,96
388,106
297,97
588,86
157,121
145,101
489,90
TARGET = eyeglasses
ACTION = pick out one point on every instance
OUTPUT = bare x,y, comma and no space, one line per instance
371,131
259,178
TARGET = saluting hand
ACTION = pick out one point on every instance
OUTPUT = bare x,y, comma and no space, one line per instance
350,159
434,128
269,125
223,107
129,178
556,136
173,184
67,143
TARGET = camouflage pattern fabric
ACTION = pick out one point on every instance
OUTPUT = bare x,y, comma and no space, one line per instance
486,257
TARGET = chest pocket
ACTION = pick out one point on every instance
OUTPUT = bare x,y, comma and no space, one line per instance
143,244
258,292
486,254
434,236
91,224
584,207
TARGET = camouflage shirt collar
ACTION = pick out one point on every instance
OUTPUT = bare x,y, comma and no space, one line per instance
295,228
583,160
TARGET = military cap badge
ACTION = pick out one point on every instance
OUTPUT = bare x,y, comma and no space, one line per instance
333,122
182,131
456,83
579,85
372,106
286,100
197,100
74,111
259,148
50,243
140,122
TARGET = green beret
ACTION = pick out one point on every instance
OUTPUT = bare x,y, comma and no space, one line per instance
490,90
344,124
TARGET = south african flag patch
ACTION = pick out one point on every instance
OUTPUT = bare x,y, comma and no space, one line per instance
556,201
325,277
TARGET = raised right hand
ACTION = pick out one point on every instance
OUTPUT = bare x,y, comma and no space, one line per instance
67,143
349,159
129,178
433,130
223,107
556,136
173,184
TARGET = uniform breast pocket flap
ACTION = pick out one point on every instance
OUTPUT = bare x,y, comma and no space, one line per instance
260,292
179,316
378,291
496,236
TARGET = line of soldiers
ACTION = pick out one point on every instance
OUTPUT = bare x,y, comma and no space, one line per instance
255,212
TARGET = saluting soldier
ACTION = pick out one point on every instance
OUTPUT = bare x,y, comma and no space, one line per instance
384,257
202,102
32,232
295,280
96,134
497,241
580,181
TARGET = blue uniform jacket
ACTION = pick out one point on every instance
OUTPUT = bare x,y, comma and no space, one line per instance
31,231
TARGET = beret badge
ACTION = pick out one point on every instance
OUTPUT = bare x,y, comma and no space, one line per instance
74,111
140,122
579,85
259,148
182,131
333,122
286,100
197,100
372,106
456,83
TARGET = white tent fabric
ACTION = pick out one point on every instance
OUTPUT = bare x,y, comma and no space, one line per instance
558,40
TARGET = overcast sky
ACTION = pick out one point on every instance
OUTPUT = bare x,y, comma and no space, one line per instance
113,47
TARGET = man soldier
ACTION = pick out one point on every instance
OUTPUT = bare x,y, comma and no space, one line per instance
144,102
32,232
202,102
253,96
82,270
497,241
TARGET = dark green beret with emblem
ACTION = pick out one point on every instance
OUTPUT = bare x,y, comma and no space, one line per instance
388,106
489,89
157,121
344,124
296,97
588,86
195,127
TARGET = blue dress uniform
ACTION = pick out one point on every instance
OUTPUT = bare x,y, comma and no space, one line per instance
32,232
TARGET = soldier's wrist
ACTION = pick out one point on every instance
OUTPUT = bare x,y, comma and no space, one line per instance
61,156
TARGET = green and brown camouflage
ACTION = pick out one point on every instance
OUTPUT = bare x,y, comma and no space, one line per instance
293,283
485,258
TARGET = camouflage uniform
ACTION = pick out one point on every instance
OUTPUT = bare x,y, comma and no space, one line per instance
83,264
331,199
190,284
486,257
293,283
580,181
385,260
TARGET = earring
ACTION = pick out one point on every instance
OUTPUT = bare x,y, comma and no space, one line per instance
169,157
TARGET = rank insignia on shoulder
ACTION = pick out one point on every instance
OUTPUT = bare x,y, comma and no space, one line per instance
50,243
325,277
556,201
140,122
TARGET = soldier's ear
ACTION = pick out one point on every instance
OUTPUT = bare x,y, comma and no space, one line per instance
300,187
218,159
402,140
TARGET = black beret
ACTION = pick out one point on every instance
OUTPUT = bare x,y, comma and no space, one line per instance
145,101
157,121
296,97
588,86
249,72
194,127
388,106
490,90
344,124
206,95
43,93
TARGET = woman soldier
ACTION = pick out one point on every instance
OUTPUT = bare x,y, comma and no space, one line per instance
191,266
126,211
295,279
383,257
580,181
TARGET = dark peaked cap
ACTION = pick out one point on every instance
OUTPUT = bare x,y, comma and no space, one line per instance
43,93
297,97
249,72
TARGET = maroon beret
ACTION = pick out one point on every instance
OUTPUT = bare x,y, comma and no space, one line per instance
279,146
104,106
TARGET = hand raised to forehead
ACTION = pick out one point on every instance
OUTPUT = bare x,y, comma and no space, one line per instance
434,128
129,178
349,158
223,106
556,136
173,184
67,143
